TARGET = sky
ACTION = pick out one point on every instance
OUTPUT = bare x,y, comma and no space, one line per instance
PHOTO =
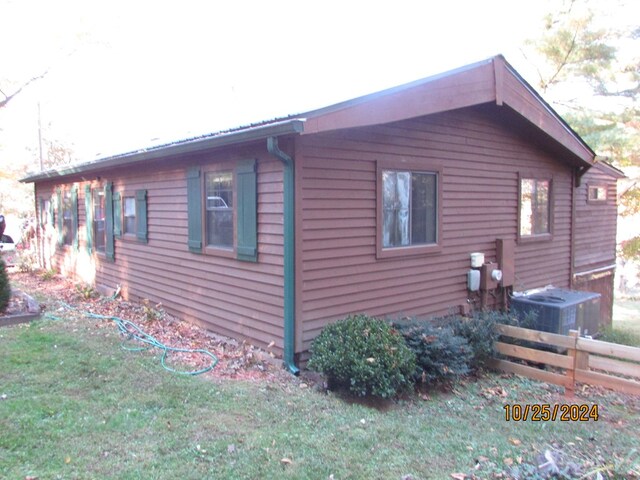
124,75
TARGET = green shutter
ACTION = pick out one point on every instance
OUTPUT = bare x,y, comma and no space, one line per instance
109,248
141,215
194,209
60,216
117,214
88,210
247,214
74,214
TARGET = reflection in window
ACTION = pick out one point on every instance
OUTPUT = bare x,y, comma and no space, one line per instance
67,219
219,207
129,215
409,204
99,232
535,209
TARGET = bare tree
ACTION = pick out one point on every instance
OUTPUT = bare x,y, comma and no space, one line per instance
8,98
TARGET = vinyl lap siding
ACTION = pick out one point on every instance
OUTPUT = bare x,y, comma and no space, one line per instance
595,224
227,296
480,160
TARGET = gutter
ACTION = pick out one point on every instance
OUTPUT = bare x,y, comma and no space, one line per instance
195,145
289,254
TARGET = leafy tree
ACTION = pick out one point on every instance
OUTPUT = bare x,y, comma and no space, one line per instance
602,101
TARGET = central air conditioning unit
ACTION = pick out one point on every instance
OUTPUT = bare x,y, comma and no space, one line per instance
558,310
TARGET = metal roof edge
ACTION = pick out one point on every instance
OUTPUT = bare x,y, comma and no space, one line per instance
295,125
549,109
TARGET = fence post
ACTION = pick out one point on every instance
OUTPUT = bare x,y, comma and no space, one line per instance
572,352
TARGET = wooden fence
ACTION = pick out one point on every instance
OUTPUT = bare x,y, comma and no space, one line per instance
583,360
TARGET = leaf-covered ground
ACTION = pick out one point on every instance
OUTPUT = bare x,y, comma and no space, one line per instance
73,404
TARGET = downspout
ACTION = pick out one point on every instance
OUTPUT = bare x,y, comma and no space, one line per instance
289,254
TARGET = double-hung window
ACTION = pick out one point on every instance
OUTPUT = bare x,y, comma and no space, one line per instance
535,208
223,210
219,209
67,218
129,216
99,217
408,209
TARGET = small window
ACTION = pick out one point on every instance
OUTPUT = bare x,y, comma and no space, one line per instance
409,208
597,193
535,207
46,214
219,209
99,230
67,219
129,214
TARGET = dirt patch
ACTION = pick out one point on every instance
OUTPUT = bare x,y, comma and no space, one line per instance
62,299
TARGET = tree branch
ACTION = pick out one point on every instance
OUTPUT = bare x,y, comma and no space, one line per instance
8,98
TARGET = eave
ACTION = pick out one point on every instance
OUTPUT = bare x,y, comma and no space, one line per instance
242,135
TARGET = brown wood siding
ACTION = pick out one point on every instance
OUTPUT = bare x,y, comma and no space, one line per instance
227,296
595,223
481,160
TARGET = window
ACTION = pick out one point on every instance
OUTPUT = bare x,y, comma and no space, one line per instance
409,213
535,207
99,220
222,211
597,193
409,208
219,209
46,212
129,216
67,219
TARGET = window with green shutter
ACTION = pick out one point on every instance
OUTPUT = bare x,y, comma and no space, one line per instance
222,210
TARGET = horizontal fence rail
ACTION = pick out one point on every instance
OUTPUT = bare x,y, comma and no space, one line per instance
573,359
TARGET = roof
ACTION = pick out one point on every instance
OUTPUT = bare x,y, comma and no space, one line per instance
492,81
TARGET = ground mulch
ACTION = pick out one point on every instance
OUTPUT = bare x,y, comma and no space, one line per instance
61,298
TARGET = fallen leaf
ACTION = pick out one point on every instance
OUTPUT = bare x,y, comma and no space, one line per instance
508,461
286,461
458,476
371,360
515,441
231,448
29,477
67,460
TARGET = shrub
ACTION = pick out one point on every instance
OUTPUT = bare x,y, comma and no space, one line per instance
479,330
440,353
365,355
5,286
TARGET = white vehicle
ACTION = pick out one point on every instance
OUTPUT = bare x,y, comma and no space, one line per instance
8,253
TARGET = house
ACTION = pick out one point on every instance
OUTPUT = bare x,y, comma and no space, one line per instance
270,231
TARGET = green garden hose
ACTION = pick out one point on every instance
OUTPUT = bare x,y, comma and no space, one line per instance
133,332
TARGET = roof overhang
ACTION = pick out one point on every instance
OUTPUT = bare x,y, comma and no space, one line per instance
490,82
243,135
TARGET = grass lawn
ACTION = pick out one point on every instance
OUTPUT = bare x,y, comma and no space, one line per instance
74,405
626,315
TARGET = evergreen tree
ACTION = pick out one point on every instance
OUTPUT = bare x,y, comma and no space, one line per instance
5,287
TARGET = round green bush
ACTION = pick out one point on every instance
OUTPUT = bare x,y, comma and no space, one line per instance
5,287
365,355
